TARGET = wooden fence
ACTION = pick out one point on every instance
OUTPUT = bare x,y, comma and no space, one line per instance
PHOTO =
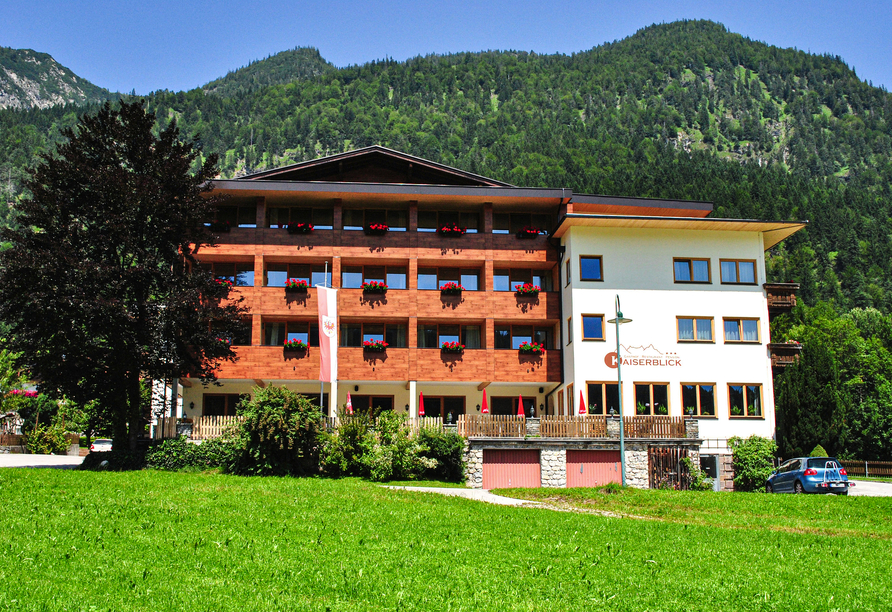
165,427
654,427
573,426
415,425
208,427
491,426
868,468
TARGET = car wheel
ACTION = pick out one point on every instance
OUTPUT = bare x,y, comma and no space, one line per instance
797,488
769,488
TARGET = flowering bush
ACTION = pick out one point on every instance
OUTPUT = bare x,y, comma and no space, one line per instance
529,231
451,289
20,393
296,285
299,228
377,229
527,289
452,347
531,347
451,229
374,287
375,345
295,345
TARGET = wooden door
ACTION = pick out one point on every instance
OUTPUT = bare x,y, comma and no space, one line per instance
504,469
592,468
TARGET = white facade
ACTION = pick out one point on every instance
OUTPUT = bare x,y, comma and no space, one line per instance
637,264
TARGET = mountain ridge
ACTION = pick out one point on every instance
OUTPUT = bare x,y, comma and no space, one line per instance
30,79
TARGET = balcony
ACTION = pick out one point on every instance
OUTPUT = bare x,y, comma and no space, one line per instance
271,363
784,353
781,296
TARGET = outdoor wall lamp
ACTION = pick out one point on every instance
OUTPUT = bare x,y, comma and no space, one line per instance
191,405
407,407
478,407
356,387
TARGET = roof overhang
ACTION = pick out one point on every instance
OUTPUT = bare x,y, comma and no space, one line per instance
772,231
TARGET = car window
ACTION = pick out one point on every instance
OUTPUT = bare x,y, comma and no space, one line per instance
822,463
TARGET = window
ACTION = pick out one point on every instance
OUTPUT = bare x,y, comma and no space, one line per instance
512,223
651,398
738,271
568,272
603,398
592,327
448,408
695,329
357,219
239,274
507,405
240,215
590,268
569,330
560,402
742,330
276,333
745,400
432,220
314,274
505,279
571,401
280,216
240,336
698,399
354,334
435,278
433,336
352,277
512,336
691,270
372,404
220,404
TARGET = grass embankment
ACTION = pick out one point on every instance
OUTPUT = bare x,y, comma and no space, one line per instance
817,514
168,541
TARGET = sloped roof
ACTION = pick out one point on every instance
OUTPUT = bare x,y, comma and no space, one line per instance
375,164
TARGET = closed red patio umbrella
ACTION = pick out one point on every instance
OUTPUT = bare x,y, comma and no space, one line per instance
582,408
485,408
421,404
520,411
349,404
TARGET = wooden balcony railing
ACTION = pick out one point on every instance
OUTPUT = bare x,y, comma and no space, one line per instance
491,426
781,296
654,427
784,353
573,427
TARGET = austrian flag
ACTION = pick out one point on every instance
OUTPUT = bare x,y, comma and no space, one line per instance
328,333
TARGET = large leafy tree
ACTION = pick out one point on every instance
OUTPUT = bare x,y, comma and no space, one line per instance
99,286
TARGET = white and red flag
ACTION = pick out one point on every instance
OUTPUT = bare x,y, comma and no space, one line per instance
328,334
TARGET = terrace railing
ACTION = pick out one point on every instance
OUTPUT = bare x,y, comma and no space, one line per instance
654,427
491,426
415,425
209,427
573,426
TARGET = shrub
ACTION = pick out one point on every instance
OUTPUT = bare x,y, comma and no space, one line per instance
753,461
341,452
818,451
279,435
397,456
33,408
178,454
698,480
46,440
119,459
446,448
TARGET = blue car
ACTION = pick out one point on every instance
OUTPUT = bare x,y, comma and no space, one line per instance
809,475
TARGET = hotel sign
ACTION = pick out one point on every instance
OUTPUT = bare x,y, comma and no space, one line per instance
643,356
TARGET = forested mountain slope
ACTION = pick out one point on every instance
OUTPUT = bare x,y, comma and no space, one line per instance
30,79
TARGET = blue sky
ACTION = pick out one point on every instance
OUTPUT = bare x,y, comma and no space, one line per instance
123,45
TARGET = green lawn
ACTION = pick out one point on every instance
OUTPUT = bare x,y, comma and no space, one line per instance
169,541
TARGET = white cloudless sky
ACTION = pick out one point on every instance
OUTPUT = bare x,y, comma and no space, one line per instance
178,45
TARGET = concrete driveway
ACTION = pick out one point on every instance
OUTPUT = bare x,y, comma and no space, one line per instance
62,462
866,488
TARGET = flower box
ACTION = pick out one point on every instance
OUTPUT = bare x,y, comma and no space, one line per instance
452,347
531,348
220,227
376,229
295,345
374,287
224,282
293,285
223,342
529,232
299,228
451,289
452,230
375,346
527,289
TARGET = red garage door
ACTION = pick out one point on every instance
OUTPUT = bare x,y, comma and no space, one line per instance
592,468
503,469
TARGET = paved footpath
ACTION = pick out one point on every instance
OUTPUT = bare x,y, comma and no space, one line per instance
866,488
477,494
62,462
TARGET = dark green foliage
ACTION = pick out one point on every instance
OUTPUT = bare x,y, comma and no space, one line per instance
281,68
398,455
818,451
178,454
33,410
446,448
97,285
697,478
753,461
43,439
341,451
279,434
116,460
